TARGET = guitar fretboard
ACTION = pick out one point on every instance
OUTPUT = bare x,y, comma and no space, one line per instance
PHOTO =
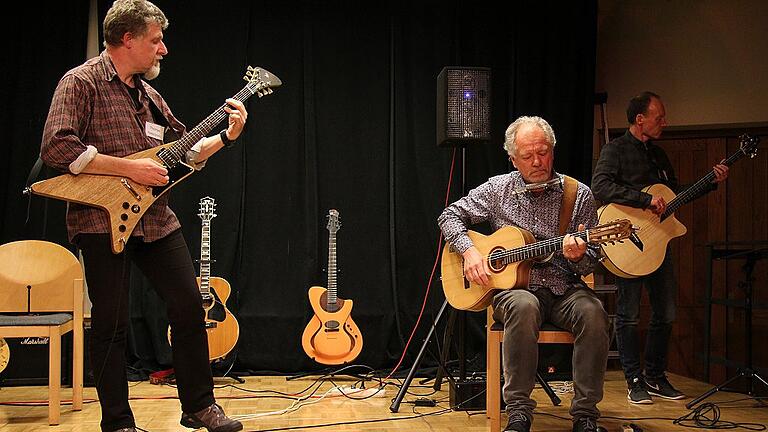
700,186
332,291
174,154
205,259
533,250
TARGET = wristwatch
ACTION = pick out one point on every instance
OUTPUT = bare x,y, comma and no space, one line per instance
225,139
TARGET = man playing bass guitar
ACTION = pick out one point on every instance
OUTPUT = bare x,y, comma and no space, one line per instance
626,166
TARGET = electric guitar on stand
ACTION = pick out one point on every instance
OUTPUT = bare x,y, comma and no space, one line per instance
222,327
646,248
125,200
331,336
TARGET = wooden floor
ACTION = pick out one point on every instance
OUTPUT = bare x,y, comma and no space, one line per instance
157,410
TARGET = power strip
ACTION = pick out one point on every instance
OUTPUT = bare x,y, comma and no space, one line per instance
357,392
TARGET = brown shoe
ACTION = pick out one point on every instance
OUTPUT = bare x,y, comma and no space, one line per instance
211,418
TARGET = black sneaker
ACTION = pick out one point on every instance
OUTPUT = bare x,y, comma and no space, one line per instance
587,424
637,393
518,422
662,388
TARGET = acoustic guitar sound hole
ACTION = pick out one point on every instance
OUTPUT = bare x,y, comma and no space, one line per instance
496,260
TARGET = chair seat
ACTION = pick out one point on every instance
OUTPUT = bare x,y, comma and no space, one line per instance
35,320
499,326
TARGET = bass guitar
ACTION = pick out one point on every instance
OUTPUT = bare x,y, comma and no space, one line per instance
331,336
125,200
510,253
222,327
646,248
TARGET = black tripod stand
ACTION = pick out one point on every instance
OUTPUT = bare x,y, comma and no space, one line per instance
747,371
395,406
442,369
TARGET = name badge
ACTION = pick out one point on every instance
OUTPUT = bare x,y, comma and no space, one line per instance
154,131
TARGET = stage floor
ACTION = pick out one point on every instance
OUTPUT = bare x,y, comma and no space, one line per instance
258,406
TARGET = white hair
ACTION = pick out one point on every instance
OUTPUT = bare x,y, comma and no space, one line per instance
510,135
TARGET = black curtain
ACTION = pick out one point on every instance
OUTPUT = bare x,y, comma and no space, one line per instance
352,128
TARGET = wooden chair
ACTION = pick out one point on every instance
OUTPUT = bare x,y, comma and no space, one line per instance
548,334
41,285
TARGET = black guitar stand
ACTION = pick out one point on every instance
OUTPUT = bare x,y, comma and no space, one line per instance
747,371
330,372
227,374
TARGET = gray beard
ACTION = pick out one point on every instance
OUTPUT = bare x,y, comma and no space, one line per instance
153,72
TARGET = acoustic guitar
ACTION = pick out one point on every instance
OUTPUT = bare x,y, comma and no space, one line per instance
125,200
5,354
222,327
646,248
511,252
331,336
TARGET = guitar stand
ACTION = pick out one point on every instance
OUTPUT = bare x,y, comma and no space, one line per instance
745,372
328,372
227,373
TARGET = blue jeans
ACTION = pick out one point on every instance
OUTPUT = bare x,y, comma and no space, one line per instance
662,293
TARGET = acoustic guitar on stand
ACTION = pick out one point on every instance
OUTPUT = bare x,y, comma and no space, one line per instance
511,252
331,336
646,248
125,200
222,327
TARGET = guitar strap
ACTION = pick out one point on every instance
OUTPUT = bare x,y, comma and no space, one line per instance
570,186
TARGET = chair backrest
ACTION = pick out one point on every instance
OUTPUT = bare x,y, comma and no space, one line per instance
38,276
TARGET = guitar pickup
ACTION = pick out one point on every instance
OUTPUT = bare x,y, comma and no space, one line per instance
211,324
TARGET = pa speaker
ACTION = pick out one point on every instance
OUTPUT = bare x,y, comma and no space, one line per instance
463,106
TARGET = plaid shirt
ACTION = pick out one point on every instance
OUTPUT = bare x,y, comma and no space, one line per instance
498,202
92,106
626,166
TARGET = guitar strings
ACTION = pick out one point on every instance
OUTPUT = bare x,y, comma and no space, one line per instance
534,246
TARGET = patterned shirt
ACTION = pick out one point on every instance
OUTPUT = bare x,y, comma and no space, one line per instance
92,106
499,202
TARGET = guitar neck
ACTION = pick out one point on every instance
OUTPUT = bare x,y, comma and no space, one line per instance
177,152
535,250
205,259
332,269
694,190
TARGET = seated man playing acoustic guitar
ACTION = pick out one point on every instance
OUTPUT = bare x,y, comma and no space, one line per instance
555,292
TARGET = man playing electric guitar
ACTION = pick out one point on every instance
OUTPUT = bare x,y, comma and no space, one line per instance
102,111
533,198
626,166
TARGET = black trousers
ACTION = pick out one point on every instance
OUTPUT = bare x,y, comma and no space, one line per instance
168,266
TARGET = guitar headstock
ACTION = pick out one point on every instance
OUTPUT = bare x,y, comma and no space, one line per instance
261,81
207,209
610,232
748,145
334,223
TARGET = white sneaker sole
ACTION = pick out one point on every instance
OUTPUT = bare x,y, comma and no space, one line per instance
682,396
642,402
